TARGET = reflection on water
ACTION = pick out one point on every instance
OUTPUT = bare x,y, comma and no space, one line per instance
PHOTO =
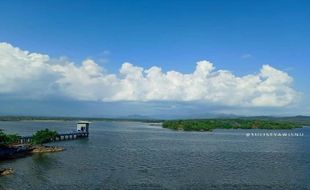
129,155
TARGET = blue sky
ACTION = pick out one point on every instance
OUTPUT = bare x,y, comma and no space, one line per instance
237,36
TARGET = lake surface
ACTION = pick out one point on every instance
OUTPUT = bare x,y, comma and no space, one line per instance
132,155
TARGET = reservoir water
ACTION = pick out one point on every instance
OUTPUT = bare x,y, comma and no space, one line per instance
133,155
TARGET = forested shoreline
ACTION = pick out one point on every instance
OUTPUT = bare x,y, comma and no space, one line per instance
211,124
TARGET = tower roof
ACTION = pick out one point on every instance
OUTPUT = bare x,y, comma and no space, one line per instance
84,122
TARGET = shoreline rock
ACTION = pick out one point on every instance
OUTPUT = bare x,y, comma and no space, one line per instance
6,171
46,149
14,152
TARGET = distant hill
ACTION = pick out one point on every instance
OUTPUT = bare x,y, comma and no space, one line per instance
301,120
45,118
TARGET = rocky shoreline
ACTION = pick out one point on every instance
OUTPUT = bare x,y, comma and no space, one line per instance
7,153
46,149
14,152
25,150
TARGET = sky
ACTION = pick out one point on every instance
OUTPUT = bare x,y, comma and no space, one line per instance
154,58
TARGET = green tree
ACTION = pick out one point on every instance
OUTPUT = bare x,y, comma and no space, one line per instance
8,139
43,136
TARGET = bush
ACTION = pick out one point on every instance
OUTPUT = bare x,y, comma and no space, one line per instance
6,139
43,136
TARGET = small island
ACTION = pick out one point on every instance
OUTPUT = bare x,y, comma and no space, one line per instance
10,148
211,124
14,146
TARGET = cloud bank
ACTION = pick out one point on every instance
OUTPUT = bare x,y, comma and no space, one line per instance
34,75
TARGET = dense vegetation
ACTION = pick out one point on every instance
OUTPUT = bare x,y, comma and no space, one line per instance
7,139
210,124
40,137
301,120
43,136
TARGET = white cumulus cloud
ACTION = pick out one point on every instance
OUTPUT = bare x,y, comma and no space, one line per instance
34,75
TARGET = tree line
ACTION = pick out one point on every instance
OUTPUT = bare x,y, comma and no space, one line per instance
210,124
